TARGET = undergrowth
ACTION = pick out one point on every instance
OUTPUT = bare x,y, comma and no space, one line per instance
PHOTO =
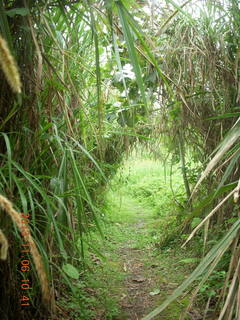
139,198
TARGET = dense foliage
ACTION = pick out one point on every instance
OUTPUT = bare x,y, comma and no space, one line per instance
97,78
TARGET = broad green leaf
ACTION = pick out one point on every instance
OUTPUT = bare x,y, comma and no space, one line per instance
189,260
224,116
132,51
71,271
195,222
17,11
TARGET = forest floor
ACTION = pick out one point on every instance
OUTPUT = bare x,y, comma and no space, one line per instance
136,275
132,268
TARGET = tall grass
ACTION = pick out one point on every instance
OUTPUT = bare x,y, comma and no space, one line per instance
79,111
206,112
56,147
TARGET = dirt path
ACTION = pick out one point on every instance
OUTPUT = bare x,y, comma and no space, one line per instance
137,300
138,275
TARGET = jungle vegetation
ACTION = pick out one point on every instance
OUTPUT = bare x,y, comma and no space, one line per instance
83,85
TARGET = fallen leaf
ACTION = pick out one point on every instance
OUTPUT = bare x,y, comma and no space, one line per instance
154,292
127,305
138,265
139,279
123,296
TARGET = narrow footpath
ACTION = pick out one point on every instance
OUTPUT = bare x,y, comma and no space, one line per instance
137,274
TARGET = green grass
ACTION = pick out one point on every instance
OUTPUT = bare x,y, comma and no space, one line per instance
149,182
138,214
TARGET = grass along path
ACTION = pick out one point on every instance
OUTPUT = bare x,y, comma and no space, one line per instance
130,271
137,275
